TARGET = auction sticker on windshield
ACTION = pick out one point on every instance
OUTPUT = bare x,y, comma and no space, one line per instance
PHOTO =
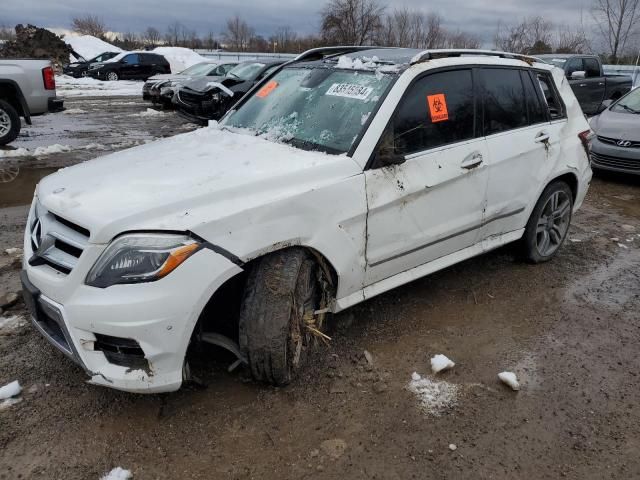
349,90
267,89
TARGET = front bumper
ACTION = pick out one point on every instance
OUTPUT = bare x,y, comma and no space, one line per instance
157,318
605,156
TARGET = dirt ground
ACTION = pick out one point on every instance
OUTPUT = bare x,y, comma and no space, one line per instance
570,329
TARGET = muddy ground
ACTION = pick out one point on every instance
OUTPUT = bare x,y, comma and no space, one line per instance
569,328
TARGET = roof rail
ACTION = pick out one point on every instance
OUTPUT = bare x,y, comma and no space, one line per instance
446,53
322,52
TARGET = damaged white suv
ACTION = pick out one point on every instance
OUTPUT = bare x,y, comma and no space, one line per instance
344,174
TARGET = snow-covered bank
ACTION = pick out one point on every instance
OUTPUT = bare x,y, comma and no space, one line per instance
180,58
89,46
90,87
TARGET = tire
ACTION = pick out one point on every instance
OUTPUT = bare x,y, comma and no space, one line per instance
281,294
113,76
549,223
9,123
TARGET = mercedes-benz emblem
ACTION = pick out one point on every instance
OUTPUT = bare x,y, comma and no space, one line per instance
623,143
36,234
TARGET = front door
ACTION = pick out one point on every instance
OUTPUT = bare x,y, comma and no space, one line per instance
130,66
432,204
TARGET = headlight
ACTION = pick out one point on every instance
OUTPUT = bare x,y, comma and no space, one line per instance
138,258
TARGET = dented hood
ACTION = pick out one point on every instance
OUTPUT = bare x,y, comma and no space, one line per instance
185,181
618,125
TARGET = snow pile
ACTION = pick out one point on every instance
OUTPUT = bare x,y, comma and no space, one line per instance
90,87
7,393
180,58
49,150
509,378
440,363
118,473
18,152
7,323
149,112
434,397
365,63
74,111
89,46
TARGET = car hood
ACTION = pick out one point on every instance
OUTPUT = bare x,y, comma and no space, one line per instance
622,126
199,84
169,76
184,182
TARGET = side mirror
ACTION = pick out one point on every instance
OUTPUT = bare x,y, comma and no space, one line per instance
579,75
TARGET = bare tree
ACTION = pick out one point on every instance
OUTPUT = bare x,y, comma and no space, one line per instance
174,30
435,34
532,35
459,39
572,40
151,37
351,22
238,33
7,33
210,42
284,39
617,21
89,25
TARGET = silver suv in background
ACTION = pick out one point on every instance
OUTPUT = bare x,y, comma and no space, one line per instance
27,87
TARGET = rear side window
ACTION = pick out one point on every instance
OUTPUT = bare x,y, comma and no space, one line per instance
591,67
437,110
535,106
550,95
131,59
504,100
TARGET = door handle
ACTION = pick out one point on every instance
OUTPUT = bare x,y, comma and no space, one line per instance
472,161
542,137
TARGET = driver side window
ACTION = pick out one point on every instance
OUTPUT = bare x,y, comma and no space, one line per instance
130,59
437,110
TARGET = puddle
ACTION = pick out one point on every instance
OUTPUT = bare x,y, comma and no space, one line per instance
18,183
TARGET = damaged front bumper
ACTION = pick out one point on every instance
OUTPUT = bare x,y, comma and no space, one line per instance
128,337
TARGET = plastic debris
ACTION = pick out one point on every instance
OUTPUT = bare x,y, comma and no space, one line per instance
509,378
440,363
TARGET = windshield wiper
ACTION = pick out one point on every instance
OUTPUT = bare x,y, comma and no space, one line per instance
628,108
309,145
229,74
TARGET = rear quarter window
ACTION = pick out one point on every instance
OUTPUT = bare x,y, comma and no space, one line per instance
550,95
503,100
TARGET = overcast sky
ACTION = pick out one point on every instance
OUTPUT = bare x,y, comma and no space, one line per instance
476,16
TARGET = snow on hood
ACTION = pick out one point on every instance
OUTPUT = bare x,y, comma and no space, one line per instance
185,181
200,84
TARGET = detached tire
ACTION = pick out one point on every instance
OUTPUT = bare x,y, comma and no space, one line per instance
9,123
281,294
549,223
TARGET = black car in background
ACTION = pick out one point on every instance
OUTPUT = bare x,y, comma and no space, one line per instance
130,66
209,98
81,67
160,89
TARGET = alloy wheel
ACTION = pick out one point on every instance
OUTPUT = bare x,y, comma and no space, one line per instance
553,223
5,123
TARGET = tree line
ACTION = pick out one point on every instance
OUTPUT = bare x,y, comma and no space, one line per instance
611,28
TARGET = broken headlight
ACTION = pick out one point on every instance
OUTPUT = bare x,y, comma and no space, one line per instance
140,257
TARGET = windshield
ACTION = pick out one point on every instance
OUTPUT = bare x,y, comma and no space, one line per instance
558,62
245,71
315,109
629,103
198,69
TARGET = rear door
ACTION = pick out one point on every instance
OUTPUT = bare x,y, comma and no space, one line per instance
595,84
579,86
523,145
432,204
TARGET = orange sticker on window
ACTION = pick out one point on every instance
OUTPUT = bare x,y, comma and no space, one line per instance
438,107
267,89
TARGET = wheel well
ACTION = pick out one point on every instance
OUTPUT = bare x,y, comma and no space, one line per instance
9,94
221,312
571,180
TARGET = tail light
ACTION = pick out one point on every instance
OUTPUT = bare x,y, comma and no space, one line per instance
585,138
49,79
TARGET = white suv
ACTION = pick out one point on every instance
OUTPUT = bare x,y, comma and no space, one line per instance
346,173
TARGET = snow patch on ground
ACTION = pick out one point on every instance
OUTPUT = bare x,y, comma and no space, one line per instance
149,112
50,149
90,87
18,152
180,58
434,397
7,323
441,362
89,46
74,111
10,390
118,473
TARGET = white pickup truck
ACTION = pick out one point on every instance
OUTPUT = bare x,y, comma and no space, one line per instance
27,88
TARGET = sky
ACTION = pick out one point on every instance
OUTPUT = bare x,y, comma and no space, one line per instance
480,17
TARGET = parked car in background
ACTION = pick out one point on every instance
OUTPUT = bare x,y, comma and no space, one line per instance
347,173
160,89
130,66
80,68
588,80
27,88
205,98
616,144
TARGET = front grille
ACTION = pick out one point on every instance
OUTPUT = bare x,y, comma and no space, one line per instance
56,241
190,98
124,352
615,162
614,141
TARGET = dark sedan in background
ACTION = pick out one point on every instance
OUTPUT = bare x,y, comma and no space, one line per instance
160,89
80,68
616,144
130,66
209,98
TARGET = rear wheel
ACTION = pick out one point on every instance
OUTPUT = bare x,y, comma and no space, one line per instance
112,76
9,123
277,314
549,223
